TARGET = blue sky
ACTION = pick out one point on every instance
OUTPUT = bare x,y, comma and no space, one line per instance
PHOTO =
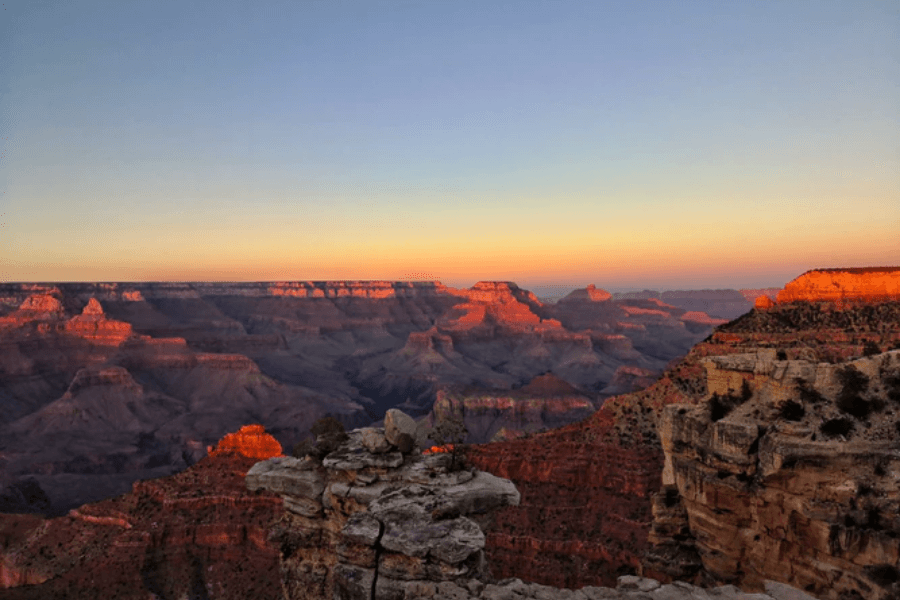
630,144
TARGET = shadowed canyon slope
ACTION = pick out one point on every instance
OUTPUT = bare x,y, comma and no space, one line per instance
105,383
197,534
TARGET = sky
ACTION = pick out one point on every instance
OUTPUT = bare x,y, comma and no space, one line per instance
654,144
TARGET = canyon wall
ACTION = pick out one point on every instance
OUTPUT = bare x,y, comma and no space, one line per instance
789,472
102,384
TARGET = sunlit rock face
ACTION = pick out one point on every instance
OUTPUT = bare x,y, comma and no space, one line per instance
251,441
763,302
844,285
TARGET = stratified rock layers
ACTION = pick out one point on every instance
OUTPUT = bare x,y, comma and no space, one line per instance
198,534
789,472
837,285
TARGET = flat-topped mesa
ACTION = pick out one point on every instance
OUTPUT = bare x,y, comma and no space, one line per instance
251,441
874,284
372,522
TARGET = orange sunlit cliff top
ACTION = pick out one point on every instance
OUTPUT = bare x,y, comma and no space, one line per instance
835,285
251,441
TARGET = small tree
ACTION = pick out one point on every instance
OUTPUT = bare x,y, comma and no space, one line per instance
451,433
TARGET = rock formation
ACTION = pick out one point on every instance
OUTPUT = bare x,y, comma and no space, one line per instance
251,441
491,415
843,285
569,476
788,472
369,521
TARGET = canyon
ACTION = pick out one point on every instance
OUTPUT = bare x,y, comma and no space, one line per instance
765,456
104,384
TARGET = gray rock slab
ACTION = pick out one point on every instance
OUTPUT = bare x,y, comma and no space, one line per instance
483,493
450,540
286,475
354,457
362,528
374,440
302,506
352,582
635,583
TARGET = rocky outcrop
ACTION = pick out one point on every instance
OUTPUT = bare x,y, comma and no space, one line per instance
843,285
251,441
380,524
369,521
786,472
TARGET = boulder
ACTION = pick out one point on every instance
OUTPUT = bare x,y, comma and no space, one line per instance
374,440
397,423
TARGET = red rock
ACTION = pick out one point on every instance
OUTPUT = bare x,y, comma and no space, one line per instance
167,538
840,285
251,441
763,303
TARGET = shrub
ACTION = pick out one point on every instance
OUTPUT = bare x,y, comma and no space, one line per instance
870,348
892,387
853,385
781,355
302,448
836,427
791,410
721,406
329,433
883,575
451,431
807,393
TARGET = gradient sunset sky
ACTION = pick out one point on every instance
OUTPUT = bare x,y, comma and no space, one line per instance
632,144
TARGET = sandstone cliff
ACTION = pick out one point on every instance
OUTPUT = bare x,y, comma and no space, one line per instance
788,472
843,285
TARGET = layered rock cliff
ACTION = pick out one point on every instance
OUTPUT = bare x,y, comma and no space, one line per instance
368,518
788,472
198,534
371,522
